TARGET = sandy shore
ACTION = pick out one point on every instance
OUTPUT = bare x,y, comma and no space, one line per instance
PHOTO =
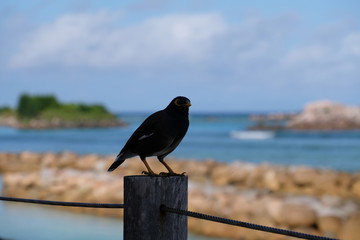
315,201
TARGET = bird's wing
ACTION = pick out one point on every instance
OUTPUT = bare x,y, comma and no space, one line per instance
145,136
150,129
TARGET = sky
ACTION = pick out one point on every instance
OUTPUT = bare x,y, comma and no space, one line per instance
225,56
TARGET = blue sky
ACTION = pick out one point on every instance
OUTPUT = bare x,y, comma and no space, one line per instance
223,55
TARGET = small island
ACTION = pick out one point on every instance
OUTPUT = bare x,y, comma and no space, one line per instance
46,112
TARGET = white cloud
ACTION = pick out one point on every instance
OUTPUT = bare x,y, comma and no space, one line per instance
94,40
343,49
339,58
351,44
101,40
256,50
307,55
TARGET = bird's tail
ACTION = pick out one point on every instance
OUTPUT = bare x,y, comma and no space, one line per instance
120,158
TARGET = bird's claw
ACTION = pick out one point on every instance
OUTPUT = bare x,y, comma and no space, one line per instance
166,174
163,174
152,174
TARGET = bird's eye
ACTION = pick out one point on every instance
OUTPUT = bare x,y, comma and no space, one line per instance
178,102
182,102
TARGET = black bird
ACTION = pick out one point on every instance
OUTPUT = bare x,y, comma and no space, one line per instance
158,135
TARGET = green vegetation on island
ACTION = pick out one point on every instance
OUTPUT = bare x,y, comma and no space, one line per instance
6,111
45,111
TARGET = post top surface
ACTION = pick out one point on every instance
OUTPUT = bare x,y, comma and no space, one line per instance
155,177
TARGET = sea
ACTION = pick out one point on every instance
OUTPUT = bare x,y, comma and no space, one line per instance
222,137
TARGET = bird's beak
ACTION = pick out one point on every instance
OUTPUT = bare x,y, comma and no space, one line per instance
188,104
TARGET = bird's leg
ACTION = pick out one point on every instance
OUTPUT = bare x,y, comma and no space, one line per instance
171,172
149,172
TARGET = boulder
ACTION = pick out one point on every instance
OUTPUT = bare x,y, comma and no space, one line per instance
220,175
86,162
3,162
304,175
272,181
49,160
351,228
274,208
66,160
329,226
30,180
198,170
291,213
236,173
326,182
29,161
216,230
326,115
355,188
256,174
344,181
30,157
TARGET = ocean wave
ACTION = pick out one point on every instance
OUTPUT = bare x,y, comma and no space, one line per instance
255,135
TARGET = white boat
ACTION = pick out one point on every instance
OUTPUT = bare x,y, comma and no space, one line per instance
256,135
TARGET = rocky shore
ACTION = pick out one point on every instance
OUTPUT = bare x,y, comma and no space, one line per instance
320,115
327,115
56,123
316,201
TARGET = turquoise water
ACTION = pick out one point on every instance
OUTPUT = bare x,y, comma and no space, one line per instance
217,136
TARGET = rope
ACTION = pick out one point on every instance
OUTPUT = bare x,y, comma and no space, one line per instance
164,208
243,224
65,204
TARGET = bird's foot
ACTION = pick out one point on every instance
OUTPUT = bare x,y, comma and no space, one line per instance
152,174
166,174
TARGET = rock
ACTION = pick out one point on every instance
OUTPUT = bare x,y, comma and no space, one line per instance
292,214
221,203
304,175
31,180
255,176
57,123
9,121
30,161
3,161
86,162
326,115
329,226
196,201
101,194
216,230
29,157
220,175
236,173
242,206
274,209
66,160
299,198
355,188
49,160
23,162
326,182
306,230
351,228
199,170
272,181
344,184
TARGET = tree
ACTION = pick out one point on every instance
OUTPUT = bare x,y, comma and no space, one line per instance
31,106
